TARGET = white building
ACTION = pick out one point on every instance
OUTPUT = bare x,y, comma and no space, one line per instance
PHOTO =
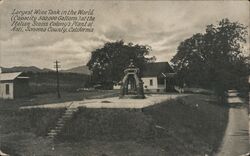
13,85
157,77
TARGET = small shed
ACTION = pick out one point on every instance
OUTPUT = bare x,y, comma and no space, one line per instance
13,85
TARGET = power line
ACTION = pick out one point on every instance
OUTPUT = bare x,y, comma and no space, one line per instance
57,66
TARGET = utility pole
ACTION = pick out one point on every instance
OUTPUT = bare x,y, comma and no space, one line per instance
57,78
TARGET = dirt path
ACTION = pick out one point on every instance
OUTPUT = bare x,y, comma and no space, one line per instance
113,102
236,140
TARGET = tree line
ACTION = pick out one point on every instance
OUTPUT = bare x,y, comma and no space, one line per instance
212,60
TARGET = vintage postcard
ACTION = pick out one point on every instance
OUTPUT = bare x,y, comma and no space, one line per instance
124,78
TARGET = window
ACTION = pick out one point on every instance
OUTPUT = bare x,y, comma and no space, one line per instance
151,82
7,89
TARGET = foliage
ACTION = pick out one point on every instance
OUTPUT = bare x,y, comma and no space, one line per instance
45,82
214,59
109,62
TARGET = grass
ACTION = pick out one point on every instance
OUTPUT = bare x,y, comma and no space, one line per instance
37,121
191,125
20,125
108,124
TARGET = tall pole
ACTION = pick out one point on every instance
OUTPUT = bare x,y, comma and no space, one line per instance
57,78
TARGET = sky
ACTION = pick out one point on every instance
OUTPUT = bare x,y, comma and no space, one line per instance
159,24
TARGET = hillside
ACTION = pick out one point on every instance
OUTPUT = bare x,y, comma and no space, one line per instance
24,69
79,70
45,82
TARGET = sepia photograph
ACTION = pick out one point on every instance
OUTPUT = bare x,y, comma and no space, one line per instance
124,78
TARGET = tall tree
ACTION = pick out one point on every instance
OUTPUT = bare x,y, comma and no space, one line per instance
214,59
108,63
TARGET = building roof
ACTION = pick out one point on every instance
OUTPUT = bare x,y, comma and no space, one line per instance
9,76
156,69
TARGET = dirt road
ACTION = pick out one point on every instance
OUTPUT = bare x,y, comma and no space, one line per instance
113,102
236,140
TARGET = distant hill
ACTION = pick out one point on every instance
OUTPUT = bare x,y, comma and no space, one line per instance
47,70
79,70
23,69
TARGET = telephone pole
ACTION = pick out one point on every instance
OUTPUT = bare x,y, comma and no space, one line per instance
57,78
